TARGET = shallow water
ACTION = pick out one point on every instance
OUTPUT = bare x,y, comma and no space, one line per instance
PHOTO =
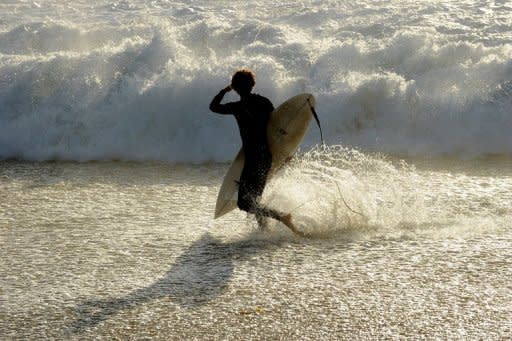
130,250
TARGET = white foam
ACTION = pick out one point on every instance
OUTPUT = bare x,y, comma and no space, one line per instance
335,191
102,81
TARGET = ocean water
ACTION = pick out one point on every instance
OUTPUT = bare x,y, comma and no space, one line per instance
111,164
132,80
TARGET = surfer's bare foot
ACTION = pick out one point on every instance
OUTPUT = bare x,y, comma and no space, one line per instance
287,220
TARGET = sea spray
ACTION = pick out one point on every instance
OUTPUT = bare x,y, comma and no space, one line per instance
132,80
337,191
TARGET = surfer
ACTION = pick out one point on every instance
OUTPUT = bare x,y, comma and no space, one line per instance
252,113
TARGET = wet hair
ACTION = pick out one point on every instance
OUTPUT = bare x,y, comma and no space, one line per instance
243,81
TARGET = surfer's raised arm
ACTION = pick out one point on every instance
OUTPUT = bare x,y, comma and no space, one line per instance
219,108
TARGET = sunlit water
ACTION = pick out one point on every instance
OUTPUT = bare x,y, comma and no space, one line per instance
130,250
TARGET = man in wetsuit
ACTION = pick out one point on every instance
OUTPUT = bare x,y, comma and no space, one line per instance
252,114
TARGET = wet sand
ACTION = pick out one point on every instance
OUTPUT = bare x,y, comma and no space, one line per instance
122,250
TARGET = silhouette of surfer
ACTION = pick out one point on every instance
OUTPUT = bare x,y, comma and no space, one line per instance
252,113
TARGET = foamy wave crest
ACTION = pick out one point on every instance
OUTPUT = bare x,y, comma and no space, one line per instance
426,98
135,84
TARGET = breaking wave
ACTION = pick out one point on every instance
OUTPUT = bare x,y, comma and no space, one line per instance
133,81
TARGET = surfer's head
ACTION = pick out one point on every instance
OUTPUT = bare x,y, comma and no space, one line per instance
243,81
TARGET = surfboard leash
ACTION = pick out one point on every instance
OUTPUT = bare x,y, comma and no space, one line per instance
344,202
315,115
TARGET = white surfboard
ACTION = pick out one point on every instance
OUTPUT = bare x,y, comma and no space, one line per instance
286,129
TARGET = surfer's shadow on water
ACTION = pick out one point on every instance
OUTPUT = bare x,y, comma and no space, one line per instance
199,275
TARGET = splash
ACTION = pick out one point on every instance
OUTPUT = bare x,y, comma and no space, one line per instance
334,191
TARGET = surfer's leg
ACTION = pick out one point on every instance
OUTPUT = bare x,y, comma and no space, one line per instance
251,186
285,218
251,205
262,222
248,202
249,192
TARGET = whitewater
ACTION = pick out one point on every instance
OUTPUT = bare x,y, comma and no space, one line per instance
110,165
132,80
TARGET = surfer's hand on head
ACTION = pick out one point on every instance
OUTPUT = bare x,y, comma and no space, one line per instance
227,88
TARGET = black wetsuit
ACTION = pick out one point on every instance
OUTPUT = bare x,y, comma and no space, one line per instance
252,114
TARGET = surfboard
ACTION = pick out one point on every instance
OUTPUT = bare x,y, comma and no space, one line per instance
286,129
